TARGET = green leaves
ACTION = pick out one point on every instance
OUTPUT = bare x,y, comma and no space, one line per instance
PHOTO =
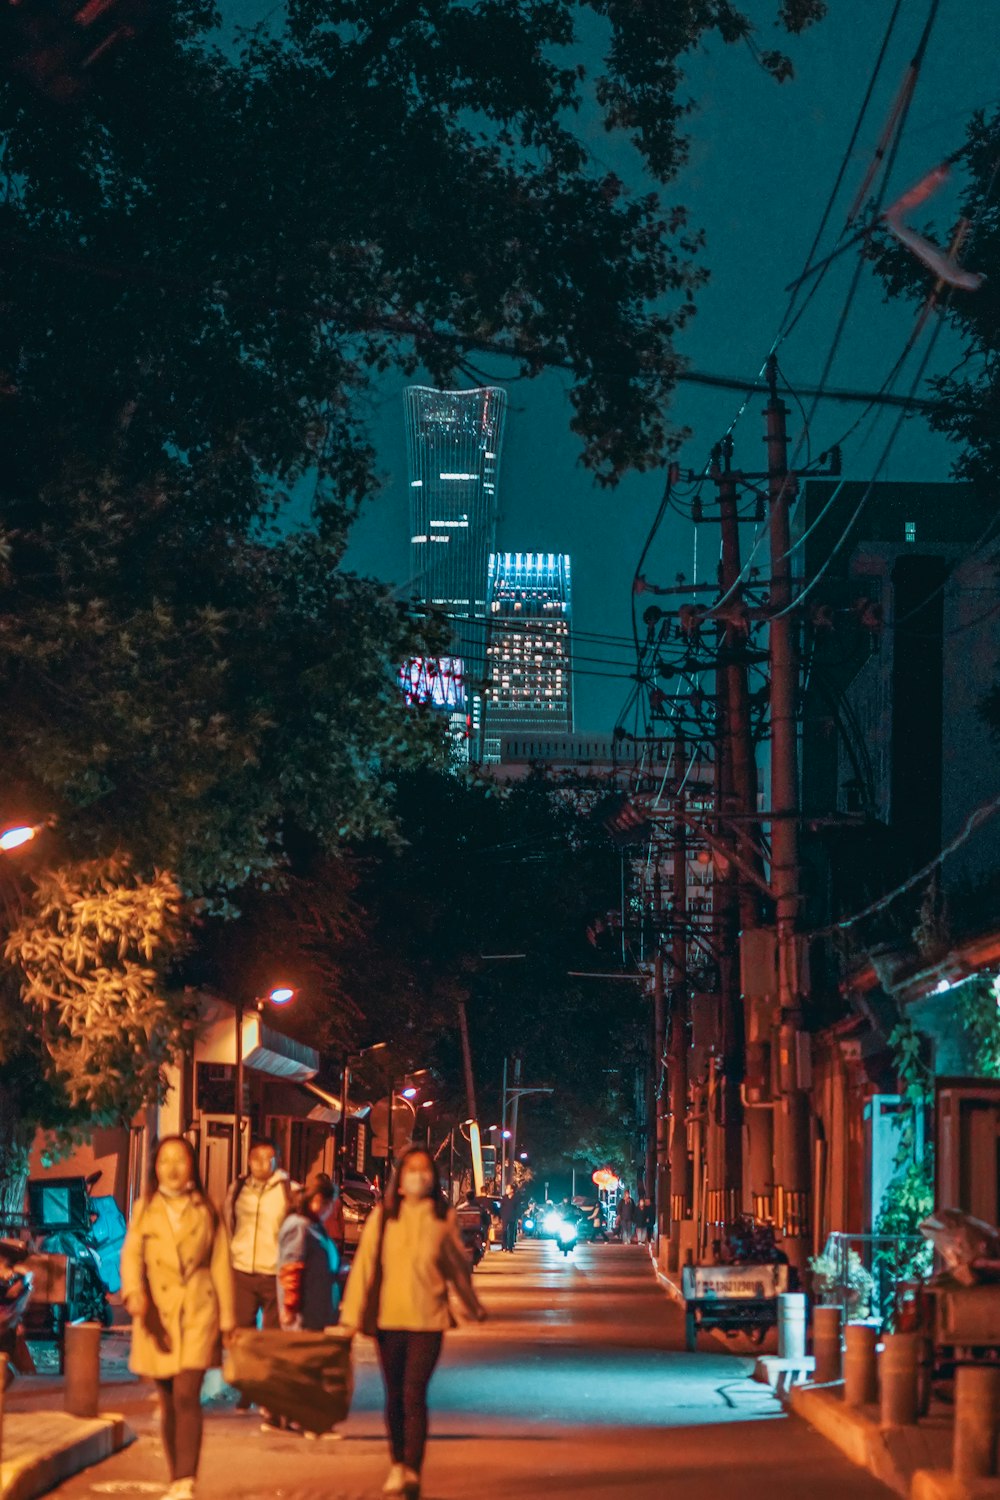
92,949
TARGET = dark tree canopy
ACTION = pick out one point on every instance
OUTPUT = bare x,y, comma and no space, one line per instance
209,259
214,254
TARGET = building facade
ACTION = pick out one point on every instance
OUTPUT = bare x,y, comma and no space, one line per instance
904,644
529,667
454,441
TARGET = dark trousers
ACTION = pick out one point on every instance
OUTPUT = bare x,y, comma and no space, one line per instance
408,1360
180,1422
256,1293
510,1235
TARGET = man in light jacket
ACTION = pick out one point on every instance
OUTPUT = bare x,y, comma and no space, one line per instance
256,1206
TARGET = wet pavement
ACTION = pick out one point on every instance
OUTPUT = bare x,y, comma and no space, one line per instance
578,1385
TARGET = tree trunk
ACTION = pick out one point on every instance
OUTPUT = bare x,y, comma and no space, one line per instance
15,1145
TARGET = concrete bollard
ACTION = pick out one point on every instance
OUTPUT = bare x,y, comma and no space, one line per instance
898,1368
860,1372
977,1411
83,1369
792,1325
828,1325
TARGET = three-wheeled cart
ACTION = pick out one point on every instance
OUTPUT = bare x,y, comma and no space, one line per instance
741,1296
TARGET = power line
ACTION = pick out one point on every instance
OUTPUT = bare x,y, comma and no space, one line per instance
976,819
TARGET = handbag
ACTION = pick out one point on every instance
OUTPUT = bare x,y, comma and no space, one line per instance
369,1317
306,1377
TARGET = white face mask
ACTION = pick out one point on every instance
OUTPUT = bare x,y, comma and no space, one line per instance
416,1184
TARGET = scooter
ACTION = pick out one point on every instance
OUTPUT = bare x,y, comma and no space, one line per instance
73,1236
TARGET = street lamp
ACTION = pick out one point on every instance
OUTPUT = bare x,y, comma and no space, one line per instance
281,994
345,1079
13,838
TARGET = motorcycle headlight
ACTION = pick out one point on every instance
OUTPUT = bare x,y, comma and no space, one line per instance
552,1223
529,1224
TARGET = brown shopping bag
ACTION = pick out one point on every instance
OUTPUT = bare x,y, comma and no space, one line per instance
306,1377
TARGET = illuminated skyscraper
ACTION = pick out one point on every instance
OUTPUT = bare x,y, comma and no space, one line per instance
453,441
529,677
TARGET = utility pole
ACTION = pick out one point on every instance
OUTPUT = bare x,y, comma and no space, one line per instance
513,1117
723,1135
680,1166
470,1085
659,1189
791,1117
503,1131
738,906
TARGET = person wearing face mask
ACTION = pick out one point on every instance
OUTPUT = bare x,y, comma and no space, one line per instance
410,1252
177,1284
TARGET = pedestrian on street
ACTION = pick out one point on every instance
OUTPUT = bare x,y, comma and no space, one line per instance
333,1218
308,1261
178,1286
409,1253
626,1218
650,1222
256,1206
642,1221
509,1214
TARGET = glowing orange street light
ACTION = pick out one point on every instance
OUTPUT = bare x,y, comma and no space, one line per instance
281,994
13,838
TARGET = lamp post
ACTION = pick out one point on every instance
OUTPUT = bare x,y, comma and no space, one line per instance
513,1095
408,1090
280,995
350,1058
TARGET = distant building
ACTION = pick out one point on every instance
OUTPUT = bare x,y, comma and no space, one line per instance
454,441
529,673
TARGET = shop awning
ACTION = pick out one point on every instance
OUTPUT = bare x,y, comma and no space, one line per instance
264,1049
299,1101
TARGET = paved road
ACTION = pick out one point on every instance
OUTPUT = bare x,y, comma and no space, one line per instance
578,1386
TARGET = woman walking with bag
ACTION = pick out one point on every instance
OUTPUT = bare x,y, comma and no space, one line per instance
178,1285
397,1291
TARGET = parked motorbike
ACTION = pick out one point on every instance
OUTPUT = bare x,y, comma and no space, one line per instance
15,1294
473,1231
63,1218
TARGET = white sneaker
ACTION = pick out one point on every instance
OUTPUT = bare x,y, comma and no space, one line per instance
411,1484
181,1489
395,1484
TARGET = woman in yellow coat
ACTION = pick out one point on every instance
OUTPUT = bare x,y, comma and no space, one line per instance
178,1285
410,1253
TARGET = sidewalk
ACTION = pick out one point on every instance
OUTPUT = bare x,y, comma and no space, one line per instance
42,1445
913,1461
42,1448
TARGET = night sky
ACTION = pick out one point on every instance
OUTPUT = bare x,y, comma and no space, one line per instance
763,159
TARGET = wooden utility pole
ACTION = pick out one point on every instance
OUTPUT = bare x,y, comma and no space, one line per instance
739,903
470,1085
680,1164
660,1189
724,1144
791,1117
